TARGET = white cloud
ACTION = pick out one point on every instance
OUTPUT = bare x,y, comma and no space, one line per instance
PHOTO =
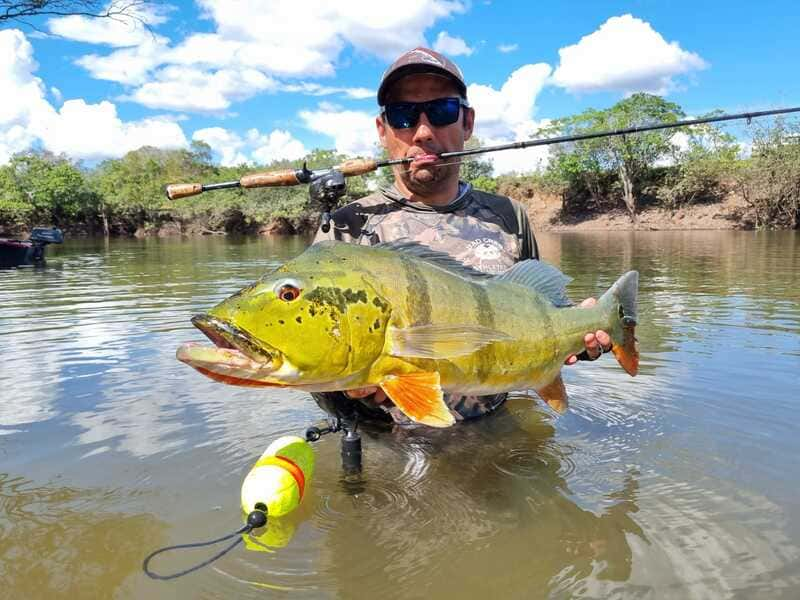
452,46
277,145
315,89
506,48
500,113
625,54
255,147
128,65
301,39
78,129
186,88
56,93
23,94
506,115
353,132
518,161
226,144
94,131
13,139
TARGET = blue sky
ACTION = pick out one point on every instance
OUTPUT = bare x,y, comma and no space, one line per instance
262,80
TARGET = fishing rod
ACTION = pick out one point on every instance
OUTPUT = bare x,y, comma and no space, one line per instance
361,166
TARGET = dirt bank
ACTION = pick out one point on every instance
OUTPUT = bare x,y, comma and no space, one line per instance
544,211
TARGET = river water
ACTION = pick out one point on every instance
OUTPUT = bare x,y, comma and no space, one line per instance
679,483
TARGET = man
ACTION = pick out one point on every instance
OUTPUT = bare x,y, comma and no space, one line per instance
425,112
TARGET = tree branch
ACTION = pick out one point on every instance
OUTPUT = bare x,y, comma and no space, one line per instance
16,10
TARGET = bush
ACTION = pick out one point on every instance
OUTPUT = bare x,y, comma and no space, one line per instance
770,180
485,184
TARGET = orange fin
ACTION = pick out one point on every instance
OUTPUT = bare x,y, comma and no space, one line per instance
419,396
555,394
627,352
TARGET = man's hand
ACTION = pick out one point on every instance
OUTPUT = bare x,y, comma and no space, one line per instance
595,342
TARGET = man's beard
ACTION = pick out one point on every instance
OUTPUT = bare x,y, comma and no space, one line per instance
427,180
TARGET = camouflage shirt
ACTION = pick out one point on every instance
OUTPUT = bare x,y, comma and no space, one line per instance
484,231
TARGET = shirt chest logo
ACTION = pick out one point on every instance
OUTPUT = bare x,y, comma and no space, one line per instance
486,249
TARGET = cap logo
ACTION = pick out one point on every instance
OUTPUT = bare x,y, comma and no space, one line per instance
425,57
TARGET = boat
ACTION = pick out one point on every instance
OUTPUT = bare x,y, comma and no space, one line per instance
14,253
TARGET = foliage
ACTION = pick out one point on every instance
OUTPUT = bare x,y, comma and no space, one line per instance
484,183
39,187
477,169
770,181
701,171
586,164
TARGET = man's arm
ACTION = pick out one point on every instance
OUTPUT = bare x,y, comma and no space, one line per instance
528,247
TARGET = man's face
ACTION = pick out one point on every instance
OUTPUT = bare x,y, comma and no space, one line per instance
424,177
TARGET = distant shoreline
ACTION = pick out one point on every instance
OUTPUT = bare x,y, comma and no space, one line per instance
544,211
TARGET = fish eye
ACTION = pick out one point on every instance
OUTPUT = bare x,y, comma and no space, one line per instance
288,292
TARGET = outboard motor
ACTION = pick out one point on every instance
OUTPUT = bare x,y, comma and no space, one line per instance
46,235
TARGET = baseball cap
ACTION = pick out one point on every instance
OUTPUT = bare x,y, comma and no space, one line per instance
420,60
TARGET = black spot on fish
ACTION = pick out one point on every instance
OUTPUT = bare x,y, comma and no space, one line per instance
384,306
298,319
311,311
352,297
328,296
281,322
376,325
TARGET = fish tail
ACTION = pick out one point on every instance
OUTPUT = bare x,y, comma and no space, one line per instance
620,301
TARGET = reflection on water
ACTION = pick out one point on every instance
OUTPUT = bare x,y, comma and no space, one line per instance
61,542
678,483
492,499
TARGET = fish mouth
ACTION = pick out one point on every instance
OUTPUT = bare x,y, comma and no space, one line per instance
236,358
227,335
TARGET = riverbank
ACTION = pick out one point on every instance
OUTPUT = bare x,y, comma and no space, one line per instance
544,211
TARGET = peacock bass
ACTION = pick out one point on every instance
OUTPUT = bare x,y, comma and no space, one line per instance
412,321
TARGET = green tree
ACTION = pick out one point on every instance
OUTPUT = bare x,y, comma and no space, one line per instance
15,209
42,187
769,181
702,168
477,169
630,157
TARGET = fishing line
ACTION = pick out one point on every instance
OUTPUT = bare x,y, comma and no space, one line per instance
437,165
256,519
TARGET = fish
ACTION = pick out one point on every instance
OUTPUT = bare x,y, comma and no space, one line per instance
412,321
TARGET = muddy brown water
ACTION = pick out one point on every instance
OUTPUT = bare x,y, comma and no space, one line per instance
679,483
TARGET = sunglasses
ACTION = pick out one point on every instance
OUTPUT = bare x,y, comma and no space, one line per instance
440,112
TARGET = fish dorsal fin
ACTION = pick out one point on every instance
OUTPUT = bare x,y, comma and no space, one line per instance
435,257
540,277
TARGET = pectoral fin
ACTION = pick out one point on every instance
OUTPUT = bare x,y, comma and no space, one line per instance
555,394
441,341
420,397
